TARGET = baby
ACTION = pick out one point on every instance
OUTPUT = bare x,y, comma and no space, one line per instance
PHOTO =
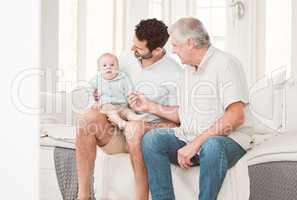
113,87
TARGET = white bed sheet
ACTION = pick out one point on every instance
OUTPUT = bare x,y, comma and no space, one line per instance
274,147
111,182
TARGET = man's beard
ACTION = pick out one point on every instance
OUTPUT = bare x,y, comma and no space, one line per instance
143,57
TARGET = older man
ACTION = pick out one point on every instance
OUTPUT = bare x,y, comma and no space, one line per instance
154,75
215,131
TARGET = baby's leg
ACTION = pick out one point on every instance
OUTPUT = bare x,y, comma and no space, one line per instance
113,115
130,115
115,118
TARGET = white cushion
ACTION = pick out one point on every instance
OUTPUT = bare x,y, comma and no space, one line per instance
266,99
279,147
290,105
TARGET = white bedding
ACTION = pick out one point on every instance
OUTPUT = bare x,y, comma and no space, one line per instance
236,184
273,147
111,182
276,147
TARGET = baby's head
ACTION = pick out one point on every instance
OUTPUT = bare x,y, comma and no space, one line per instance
108,64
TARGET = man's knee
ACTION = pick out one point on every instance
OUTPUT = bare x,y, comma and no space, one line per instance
134,131
212,147
213,143
152,140
89,123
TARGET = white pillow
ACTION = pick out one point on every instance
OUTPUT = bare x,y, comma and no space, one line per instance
266,99
290,105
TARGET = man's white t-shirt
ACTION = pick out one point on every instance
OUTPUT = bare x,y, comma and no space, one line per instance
203,96
157,82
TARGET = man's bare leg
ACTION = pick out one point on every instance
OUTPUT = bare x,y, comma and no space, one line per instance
134,132
93,129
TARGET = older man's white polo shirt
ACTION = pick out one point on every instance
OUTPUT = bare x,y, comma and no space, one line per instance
204,94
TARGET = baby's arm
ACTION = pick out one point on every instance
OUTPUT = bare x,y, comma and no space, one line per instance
93,83
96,95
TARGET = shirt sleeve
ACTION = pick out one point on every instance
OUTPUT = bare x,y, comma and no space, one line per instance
233,85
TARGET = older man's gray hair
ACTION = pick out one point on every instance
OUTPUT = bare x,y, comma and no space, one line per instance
186,28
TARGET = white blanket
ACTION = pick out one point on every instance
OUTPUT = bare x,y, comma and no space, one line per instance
112,183
236,184
279,147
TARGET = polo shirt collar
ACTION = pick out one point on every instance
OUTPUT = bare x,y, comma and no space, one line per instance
210,51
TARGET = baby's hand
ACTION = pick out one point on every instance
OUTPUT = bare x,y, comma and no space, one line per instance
96,95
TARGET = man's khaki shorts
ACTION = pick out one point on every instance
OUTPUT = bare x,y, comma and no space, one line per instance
117,143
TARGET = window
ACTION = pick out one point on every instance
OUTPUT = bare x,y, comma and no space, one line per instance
87,28
160,9
278,35
155,9
212,13
68,49
99,33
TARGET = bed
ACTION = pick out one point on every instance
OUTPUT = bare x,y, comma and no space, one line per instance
272,170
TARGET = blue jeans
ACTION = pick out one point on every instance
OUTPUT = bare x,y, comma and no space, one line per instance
217,155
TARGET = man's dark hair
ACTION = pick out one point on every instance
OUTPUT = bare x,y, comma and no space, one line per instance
153,31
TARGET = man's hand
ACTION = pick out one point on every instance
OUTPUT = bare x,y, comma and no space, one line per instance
185,154
138,102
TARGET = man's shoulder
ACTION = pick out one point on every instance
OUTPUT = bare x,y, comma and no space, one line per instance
225,56
225,60
170,64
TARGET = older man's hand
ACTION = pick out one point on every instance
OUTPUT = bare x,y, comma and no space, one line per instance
186,153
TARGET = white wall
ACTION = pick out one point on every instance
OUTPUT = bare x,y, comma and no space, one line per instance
19,49
49,43
294,39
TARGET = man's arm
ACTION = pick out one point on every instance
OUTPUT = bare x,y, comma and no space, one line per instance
168,112
232,118
140,103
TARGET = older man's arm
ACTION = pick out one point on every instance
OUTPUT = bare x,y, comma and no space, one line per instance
232,118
